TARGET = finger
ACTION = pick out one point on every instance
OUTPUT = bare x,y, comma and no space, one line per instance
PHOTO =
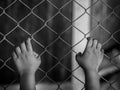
115,52
102,56
99,46
100,60
23,47
90,42
29,45
18,51
95,42
102,52
14,56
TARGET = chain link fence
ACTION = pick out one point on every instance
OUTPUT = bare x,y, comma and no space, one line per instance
50,25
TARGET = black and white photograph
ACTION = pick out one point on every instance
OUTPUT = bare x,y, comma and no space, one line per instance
59,45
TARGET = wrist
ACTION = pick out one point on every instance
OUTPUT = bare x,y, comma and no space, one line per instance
27,73
92,73
89,69
92,80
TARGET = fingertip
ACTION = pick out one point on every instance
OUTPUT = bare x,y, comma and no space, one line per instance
95,43
29,45
29,39
14,55
90,42
18,50
99,46
23,46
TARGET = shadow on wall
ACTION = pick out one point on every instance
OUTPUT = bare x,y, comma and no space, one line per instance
50,31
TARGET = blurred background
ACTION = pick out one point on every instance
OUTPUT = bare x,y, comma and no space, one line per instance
58,29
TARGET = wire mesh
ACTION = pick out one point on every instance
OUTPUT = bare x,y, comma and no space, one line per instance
98,23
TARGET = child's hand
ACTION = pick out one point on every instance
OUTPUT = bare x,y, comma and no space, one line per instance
92,56
25,59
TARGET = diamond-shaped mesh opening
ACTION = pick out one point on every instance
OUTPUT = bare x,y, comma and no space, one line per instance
100,5
108,26
29,24
43,9
62,47
47,33
57,28
59,71
48,62
3,20
20,9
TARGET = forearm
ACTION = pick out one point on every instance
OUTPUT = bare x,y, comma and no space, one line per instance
27,82
92,80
